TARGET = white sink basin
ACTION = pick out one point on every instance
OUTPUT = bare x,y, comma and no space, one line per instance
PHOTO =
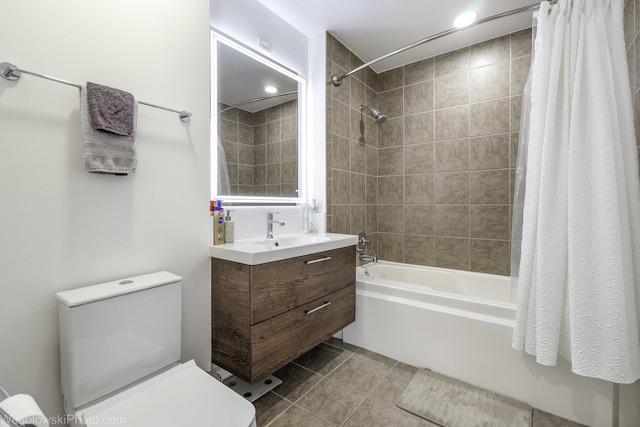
260,251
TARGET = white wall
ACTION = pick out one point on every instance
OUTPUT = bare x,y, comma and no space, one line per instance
61,227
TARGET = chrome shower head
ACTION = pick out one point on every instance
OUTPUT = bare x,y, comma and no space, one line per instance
375,113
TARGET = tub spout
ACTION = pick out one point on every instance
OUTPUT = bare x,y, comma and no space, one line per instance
365,257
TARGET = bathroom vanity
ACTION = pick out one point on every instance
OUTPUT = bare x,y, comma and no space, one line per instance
266,314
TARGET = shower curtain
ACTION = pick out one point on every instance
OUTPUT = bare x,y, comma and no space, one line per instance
579,271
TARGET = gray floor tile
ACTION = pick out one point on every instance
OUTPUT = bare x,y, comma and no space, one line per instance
340,346
321,360
296,381
298,417
331,402
372,414
360,374
404,370
268,407
390,389
375,357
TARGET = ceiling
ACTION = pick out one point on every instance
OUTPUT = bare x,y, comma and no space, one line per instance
372,28
241,78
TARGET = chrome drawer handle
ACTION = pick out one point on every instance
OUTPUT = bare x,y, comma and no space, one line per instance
326,304
327,258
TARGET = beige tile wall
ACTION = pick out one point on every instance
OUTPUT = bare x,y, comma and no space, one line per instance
261,150
438,174
445,155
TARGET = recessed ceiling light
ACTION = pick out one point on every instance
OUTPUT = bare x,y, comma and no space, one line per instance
465,19
270,89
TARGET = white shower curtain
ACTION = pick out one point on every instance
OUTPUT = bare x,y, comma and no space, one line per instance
579,276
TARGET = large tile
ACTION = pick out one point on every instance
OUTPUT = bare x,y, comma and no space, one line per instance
489,187
490,117
519,72
371,190
489,221
298,417
274,131
418,128
452,62
358,157
268,407
451,91
357,125
341,187
390,103
418,159
452,123
390,161
489,52
489,152
451,188
322,359
418,249
452,253
452,155
418,98
390,247
341,219
451,220
391,79
296,381
418,71
418,189
340,119
289,128
384,362
332,402
390,190
391,219
521,43
390,388
390,133
358,184
360,374
358,94
370,414
490,256
419,219
489,82
358,219
515,106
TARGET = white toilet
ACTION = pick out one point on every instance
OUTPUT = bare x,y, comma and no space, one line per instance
119,351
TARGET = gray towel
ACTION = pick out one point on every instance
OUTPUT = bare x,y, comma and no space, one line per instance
111,110
105,152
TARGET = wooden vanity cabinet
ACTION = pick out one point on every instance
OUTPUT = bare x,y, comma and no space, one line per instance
266,315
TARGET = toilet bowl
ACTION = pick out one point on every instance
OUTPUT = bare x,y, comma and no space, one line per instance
119,353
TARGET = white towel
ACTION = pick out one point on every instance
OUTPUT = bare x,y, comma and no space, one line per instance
106,152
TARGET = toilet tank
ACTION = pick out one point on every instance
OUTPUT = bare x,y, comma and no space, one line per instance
116,333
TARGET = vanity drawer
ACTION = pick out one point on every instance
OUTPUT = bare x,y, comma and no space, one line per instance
280,286
281,339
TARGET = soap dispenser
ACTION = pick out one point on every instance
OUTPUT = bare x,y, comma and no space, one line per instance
228,228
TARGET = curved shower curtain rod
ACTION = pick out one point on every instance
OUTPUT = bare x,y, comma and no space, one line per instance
262,98
337,80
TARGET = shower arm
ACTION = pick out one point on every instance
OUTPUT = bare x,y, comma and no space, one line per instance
337,80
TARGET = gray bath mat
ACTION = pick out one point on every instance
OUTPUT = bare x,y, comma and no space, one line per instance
452,403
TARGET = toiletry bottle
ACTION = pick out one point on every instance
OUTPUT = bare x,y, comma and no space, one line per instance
228,228
218,224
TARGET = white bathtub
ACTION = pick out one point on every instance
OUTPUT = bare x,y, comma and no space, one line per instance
460,324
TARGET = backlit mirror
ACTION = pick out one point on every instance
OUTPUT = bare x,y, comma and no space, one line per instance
257,126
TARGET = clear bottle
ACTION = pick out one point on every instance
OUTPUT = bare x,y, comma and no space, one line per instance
228,228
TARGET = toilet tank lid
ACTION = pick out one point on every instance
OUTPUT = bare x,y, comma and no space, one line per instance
102,291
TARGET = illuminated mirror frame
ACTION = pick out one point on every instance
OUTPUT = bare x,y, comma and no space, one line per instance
302,149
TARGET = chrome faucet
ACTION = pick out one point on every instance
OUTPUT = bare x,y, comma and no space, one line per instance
365,257
270,222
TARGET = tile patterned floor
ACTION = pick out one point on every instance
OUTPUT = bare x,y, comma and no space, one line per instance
337,384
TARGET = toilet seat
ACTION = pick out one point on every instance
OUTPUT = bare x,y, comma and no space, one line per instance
184,395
